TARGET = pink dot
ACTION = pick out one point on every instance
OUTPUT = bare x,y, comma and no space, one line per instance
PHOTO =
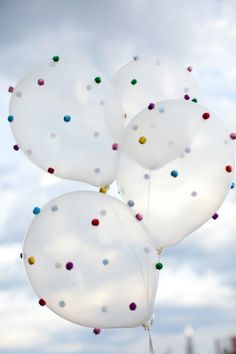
10,89
139,217
95,222
132,306
189,68
69,265
41,82
233,136
115,146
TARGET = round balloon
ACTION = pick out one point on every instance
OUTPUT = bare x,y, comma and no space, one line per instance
68,120
176,168
90,260
144,81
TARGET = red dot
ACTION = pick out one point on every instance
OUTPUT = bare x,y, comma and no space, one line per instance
42,302
51,170
139,217
206,115
41,82
228,168
96,331
95,222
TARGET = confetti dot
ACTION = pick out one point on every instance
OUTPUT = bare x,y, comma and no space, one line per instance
31,260
21,255
228,168
130,203
115,146
36,210
189,68
136,57
147,250
96,134
10,119
16,147
51,170
139,217
18,94
53,135
54,208
10,89
102,102
41,82
58,265
186,97
159,266
104,309
67,118
142,140
232,185
133,82
174,173
194,100
215,216
161,110
146,176
62,303
97,170
151,106
42,302
135,127
89,87
206,115
103,212
98,80
95,222
233,136
96,331
132,306
69,265
104,189
105,262
29,152
187,150
56,58
194,194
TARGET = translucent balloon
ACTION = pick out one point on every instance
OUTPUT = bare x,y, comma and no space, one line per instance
193,168
90,261
142,82
68,120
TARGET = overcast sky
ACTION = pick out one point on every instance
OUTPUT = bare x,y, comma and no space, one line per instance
198,285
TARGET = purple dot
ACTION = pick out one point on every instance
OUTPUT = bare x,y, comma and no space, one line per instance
69,265
215,216
194,194
135,127
187,150
186,97
132,306
146,176
151,106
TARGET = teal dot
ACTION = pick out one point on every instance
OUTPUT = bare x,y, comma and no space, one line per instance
174,173
232,185
67,118
10,119
105,262
62,303
36,211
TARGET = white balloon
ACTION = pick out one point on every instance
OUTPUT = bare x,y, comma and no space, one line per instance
89,258
187,173
149,80
69,121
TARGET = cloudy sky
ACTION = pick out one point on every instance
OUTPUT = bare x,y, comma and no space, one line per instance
197,286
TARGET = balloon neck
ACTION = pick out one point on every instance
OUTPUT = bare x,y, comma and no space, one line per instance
159,250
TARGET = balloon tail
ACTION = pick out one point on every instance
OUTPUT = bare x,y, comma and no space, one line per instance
151,348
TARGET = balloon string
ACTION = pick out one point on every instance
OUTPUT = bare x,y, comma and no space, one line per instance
148,196
151,348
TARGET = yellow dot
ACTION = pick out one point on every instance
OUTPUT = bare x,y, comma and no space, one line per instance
104,189
142,140
31,260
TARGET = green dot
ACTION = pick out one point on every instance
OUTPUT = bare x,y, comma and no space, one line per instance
98,80
159,266
56,58
134,82
194,100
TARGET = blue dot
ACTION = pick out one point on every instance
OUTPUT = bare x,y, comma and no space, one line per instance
130,203
232,185
10,119
105,262
174,173
67,118
161,109
36,211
